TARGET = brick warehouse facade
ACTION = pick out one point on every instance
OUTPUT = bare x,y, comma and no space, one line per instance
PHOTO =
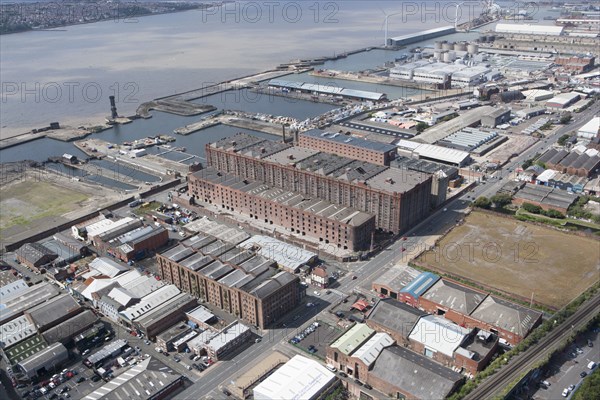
399,199
254,291
341,226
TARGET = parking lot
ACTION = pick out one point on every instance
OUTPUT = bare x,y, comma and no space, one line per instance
316,339
566,368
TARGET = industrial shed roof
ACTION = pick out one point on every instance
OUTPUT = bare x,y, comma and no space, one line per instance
454,296
395,315
353,338
142,381
47,357
369,351
108,267
16,330
530,29
52,310
299,378
506,315
286,255
350,140
414,373
439,334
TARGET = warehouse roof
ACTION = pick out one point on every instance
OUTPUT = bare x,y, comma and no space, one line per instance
591,127
420,284
227,335
15,331
26,299
547,156
178,253
506,315
237,142
45,358
107,350
395,315
108,267
145,380
530,29
439,334
150,302
52,310
214,229
200,313
563,99
454,296
394,180
286,255
291,155
440,131
34,252
415,374
12,289
105,225
397,277
350,141
71,327
369,351
546,195
179,303
353,338
272,284
299,378
547,175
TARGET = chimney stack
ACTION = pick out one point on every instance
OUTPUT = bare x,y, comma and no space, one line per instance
113,108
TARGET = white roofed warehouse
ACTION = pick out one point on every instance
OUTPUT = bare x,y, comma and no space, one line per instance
299,379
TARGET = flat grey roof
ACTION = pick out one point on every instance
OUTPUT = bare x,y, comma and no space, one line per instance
414,373
237,142
395,315
265,148
165,309
397,180
358,171
71,327
456,297
397,277
506,315
379,147
107,350
291,155
50,311
323,163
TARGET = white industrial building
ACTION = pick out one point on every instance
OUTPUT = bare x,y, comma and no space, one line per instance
590,129
438,72
433,153
537,94
563,100
438,335
529,29
299,379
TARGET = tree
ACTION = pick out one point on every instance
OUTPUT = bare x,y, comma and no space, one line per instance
501,200
421,126
554,214
532,208
482,202
565,119
527,163
563,139
590,388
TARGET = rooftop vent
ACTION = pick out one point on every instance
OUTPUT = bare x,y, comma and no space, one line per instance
390,181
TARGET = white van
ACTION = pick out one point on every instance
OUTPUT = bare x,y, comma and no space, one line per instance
592,365
331,368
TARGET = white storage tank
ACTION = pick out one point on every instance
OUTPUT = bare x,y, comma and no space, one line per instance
438,45
449,56
448,46
460,46
473,48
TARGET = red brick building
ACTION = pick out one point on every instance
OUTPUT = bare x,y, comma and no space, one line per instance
344,227
575,64
253,290
398,198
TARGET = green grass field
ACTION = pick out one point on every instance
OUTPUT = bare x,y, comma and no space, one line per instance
28,201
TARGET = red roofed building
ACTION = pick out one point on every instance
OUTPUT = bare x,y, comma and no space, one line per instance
319,277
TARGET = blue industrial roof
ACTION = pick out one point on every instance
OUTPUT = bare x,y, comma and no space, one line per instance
351,141
420,284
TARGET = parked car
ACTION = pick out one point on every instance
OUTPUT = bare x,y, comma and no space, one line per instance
343,374
590,343
359,383
583,374
80,379
177,359
367,386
